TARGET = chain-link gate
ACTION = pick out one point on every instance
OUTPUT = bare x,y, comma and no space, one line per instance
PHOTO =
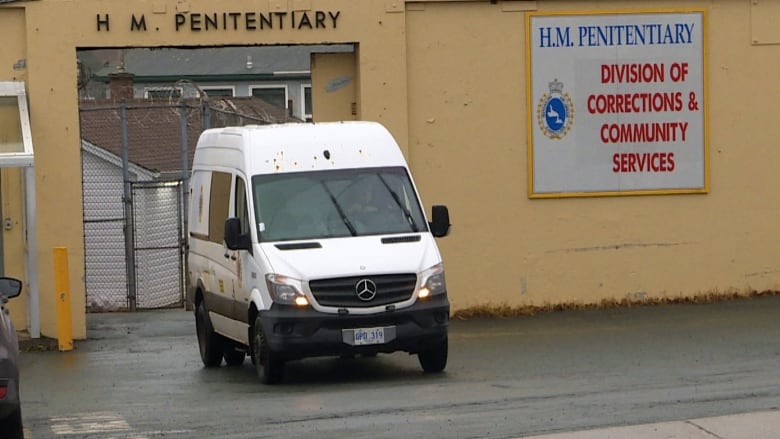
135,168
159,239
104,236
157,258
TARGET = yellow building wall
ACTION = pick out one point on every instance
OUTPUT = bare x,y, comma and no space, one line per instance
448,80
333,90
468,142
14,247
54,30
13,34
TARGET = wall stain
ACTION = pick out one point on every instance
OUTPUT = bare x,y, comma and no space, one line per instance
762,273
622,246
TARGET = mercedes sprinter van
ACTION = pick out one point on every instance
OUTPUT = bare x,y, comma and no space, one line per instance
309,239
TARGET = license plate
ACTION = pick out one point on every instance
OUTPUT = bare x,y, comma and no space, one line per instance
367,336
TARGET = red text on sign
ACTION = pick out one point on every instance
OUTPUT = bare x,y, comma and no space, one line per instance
647,132
635,103
631,73
678,72
626,162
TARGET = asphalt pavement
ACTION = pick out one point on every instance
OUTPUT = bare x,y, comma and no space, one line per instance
672,371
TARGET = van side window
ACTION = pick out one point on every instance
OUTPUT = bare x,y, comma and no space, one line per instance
219,204
242,212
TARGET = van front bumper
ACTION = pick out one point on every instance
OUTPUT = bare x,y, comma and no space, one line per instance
304,332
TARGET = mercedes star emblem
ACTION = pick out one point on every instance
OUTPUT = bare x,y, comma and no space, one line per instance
365,289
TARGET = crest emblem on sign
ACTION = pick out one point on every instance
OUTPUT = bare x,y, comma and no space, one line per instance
555,112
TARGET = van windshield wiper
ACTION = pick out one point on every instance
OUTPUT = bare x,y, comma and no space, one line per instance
399,203
339,209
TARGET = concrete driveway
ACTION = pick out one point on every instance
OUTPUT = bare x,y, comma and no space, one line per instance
641,372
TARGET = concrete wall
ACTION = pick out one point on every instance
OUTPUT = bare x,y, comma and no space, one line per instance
448,79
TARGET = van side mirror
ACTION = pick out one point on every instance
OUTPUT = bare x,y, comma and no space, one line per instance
440,224
233,237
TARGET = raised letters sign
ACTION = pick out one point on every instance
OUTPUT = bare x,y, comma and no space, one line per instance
228,21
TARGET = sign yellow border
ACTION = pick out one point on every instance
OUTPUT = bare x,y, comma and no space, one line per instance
531,108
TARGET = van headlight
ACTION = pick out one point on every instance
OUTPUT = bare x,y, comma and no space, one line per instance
286,290
433,282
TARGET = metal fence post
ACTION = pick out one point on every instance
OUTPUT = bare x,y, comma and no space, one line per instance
185,161
206,116
127,199
185,177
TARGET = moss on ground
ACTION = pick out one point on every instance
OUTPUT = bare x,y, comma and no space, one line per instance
503,310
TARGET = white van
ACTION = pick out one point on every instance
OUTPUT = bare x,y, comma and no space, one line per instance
310,240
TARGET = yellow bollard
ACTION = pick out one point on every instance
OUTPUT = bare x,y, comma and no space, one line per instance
62,288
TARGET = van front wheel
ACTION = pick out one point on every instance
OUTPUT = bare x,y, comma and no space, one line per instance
209,342
269,364
434,358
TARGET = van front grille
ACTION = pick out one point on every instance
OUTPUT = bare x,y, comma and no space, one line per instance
343,292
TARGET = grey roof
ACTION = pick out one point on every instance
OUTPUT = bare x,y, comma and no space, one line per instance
154,128
218,61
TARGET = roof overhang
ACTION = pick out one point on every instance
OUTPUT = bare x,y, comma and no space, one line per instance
16,147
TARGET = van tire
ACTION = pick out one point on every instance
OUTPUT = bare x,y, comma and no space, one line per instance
269,364
209,342
434,359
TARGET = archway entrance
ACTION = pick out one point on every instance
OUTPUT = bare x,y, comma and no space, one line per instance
141,112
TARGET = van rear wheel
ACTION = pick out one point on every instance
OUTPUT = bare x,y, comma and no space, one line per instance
269,364
209,342
434,358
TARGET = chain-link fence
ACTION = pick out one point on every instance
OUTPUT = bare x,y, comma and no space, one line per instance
136,159
158,249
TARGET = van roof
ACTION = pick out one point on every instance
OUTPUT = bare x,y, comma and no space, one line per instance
294,147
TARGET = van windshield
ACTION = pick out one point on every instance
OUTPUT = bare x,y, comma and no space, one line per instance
336,203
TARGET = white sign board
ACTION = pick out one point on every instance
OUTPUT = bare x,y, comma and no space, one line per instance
617,103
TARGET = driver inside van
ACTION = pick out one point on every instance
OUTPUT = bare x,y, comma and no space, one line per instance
364,201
